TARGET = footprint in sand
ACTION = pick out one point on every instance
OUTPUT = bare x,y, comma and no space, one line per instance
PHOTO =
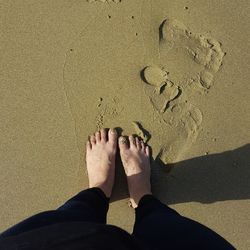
184,120
107,111
198,56
187,63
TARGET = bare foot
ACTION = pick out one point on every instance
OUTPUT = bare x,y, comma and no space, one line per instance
135,158
100,158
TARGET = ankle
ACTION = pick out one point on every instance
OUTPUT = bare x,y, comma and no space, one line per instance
136,200
104,186
135,196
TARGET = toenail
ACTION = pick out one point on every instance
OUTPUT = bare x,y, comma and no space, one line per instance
131,138
112,131
123,140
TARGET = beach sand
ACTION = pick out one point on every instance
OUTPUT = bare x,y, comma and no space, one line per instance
173,72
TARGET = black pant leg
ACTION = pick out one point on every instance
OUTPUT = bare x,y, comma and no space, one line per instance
163,228
90,205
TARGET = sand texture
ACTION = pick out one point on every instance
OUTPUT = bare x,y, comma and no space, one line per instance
176,73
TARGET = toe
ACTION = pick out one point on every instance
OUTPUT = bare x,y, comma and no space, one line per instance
92,140
103,135
147,151
123,143
132,141
137,143
112,136
97,136
88,146
142,146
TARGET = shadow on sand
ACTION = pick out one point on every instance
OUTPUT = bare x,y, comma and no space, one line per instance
205,179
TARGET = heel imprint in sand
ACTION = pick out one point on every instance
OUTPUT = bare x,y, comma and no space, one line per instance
185,121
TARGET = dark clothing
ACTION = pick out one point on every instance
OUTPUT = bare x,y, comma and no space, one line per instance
81,224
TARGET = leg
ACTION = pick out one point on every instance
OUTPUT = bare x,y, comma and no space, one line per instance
161,226
90,205
156,224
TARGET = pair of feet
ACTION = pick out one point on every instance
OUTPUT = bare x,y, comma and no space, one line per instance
135,155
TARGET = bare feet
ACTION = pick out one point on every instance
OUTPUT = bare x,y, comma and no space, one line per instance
135,158
100,158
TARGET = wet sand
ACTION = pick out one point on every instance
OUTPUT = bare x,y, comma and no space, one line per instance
173,72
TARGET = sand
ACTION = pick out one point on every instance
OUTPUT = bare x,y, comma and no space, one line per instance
174,72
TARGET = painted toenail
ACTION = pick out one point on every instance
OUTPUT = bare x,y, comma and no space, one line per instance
123,140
